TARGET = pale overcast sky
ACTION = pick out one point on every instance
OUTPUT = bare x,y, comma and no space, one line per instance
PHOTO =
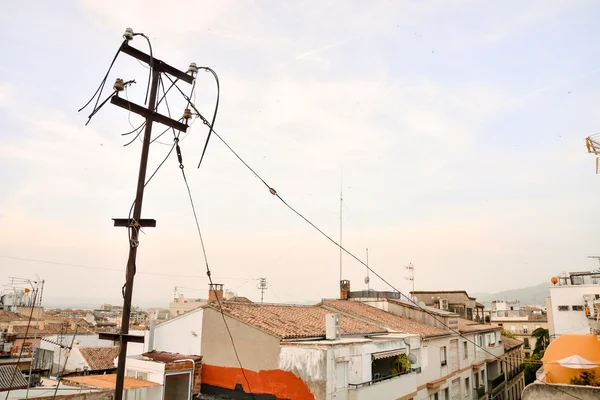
459,127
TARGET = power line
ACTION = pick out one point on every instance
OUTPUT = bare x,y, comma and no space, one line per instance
274,193
114,269
208,272
14,374
65,364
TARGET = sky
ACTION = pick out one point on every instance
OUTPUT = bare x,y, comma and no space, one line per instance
455,130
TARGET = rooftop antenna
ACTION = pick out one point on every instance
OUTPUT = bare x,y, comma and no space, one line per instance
262,286
341,203
592,143
411,274
367,279
597,258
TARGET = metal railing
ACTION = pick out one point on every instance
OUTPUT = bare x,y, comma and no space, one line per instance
497,381
479,392
383,378
515,371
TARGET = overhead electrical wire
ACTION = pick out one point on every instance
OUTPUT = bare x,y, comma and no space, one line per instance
14,374
274,192
103,82
208,272
114,269
151,63
189,100
65,364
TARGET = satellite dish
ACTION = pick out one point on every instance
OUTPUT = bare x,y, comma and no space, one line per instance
412,358
367,280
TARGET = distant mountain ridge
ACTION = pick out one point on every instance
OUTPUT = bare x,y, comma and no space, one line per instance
527,295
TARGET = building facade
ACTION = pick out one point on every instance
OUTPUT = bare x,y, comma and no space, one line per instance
574,304
456,301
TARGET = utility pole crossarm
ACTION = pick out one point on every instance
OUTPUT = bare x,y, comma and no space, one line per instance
156,64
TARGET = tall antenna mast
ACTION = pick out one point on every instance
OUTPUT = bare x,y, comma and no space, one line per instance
341,203
597,258
367,279
411,274
262,286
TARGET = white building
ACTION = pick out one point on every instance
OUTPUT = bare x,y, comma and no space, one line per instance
573,305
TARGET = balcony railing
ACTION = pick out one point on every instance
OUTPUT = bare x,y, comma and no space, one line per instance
497,381
383,378
515,371
479,392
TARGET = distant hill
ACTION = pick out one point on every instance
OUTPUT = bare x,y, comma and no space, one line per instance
528,295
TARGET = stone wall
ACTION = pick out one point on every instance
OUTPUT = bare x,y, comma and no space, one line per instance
539,391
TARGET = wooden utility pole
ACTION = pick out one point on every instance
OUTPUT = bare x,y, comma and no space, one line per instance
136,222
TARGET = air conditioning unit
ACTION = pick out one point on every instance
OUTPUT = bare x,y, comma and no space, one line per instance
443,304
332,326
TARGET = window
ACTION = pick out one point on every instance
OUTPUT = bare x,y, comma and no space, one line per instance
465,350
142,375
480,340
563,308
577,308
443,355
447,394
435,396
467,386
526,342
513,329
525,329
483,377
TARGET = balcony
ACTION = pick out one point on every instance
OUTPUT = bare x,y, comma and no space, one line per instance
388,387
479,392
515,371
497,381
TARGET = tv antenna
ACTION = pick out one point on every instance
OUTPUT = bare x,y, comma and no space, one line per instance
411,274
262,286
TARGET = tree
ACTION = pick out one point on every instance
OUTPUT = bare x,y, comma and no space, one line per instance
585,378
401,364
508,334
542,339
531,366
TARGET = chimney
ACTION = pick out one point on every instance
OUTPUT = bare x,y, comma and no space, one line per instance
151,335
344,289
215,292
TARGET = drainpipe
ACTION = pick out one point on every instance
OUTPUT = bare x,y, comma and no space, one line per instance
151,335
193,372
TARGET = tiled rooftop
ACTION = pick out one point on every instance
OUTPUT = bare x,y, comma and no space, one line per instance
11,378
100,358
109,381
9,316
293,321
510,343
468,326
166,357
380,317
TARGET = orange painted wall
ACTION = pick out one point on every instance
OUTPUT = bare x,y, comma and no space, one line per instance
281,384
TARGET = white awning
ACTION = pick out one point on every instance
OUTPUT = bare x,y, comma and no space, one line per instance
388,354
577,362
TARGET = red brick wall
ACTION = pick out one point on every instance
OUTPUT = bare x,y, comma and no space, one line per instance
187,365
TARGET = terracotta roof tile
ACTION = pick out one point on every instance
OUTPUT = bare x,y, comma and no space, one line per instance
293,321
467,326
385,318
100,358
164,356
109,381
9,316
11,378
510,343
